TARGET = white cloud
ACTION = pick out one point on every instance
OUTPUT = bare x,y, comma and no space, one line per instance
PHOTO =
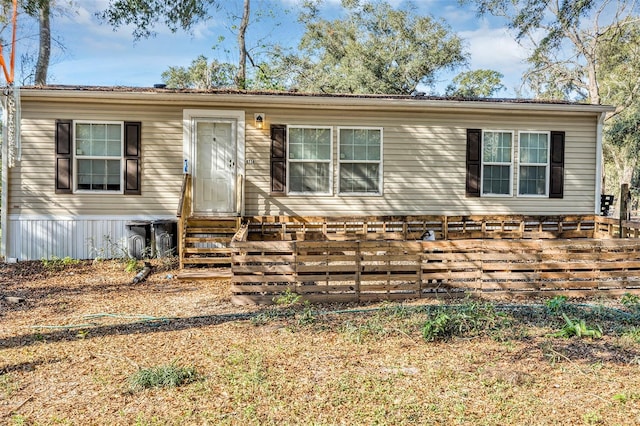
494,48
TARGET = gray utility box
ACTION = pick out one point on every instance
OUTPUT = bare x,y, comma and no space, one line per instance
139,239
165,238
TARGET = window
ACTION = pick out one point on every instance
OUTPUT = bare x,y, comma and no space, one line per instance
309,159
496,162
534,163
360,160
98,155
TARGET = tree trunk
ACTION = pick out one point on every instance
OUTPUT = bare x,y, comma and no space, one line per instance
42,66
241,76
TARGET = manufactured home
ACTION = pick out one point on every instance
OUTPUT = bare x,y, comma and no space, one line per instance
85,163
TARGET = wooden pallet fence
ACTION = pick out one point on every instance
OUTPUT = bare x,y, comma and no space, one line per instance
357,271
609,227
402,228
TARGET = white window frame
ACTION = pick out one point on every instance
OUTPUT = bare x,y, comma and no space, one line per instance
379,162
92,157
547,164
329,161
492,163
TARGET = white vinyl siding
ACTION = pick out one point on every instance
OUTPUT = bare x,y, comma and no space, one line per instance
360,161
533,173
497,161
98,156
309,162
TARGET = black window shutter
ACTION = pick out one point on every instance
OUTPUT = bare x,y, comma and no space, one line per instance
64,175
474,137
556,184
278,159
132,158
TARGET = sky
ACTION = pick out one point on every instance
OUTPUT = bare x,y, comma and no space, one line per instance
95,54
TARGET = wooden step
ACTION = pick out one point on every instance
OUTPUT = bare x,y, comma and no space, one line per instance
213,222
205,274
193,240
206,260
206,250
210,230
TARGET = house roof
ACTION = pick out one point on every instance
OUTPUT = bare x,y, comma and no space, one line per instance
108,94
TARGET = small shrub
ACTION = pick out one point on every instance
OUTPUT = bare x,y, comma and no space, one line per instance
131,265
438,328
630,301
163,376
577,328
287,298
307,316
556,304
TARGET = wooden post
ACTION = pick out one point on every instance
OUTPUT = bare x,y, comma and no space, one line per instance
625,204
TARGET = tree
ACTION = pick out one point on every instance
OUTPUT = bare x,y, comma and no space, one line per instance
42,9
623,139
475,84
619,67
374,49
201,75
241,76
36,66
564,37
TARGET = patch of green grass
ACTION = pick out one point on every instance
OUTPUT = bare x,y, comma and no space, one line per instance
362,332
19,420
57,263
170,375
7,385
631,333
470,319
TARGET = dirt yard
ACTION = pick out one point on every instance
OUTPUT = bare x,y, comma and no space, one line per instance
68,353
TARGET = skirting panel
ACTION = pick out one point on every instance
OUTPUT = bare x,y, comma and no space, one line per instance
36,238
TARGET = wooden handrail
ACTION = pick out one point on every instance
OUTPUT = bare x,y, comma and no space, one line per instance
184,193
183,213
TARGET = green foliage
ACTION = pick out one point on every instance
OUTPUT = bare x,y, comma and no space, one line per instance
475,84
577,328
630,301
374,48
131,265
632,333
469,319
440,327
288,298
618,56
307,315
201,75
623,131
144,16
556,304
57,263
170,375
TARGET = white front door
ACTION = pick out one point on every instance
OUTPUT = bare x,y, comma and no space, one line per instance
214,174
